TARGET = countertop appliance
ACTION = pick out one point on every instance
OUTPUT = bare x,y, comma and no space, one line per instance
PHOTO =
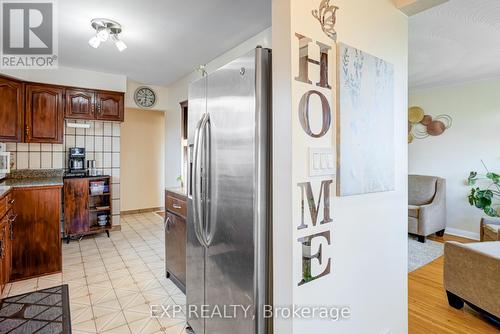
229,194
76,160
4,161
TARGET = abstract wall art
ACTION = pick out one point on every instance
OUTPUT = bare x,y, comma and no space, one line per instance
421,125
365,123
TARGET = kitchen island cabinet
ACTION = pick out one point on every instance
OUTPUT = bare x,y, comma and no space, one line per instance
175,236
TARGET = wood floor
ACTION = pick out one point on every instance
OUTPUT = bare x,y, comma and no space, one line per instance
428,309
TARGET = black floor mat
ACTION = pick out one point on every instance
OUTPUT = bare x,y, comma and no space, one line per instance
43,311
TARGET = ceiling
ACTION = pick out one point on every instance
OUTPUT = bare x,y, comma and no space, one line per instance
455,42
166,39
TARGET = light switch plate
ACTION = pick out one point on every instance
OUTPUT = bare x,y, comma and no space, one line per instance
321,161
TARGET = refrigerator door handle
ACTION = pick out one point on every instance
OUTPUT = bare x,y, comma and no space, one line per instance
208,236
197,204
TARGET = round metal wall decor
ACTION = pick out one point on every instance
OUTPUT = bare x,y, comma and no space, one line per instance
145,97
421,125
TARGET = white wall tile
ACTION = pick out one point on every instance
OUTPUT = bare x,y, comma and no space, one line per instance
115,191
116,207
115,160
116,144
90,131
108,128
89,143
58,147
98,128
34,147
98,144
34,160
107,144
116,129
107,160
22,160
115,175
22,147
98,159
70,131
46,148
80,141
70,142
89,156
57,160
11,147
46,160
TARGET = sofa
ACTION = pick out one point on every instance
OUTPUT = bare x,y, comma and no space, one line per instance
426,205
472,275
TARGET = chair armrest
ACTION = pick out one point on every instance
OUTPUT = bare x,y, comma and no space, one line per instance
432,216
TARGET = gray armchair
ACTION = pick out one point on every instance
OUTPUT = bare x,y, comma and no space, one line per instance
426,205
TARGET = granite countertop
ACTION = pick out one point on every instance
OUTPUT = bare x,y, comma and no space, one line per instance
33,182
25,178
179,191
4,190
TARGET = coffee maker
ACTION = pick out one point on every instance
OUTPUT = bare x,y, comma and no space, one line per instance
76,160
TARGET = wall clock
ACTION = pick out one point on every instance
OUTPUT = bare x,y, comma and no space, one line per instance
145,97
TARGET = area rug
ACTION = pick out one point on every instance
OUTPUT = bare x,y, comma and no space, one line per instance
420,254
43,311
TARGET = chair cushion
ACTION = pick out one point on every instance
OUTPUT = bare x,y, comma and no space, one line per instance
421,189
491,232
413,210
491,248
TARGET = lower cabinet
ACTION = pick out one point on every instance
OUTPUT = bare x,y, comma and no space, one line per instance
36,244
7,219
175,239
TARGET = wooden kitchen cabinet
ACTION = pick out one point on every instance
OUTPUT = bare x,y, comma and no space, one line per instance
109,106
176,238
36,246
44,114
83,206
79,103
11,110
7,219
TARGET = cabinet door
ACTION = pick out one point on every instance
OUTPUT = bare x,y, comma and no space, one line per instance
76,210
3,253
44,114
175,246
109,106
11,110
36,248
79,103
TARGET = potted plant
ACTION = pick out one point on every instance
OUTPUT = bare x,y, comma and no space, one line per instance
487,196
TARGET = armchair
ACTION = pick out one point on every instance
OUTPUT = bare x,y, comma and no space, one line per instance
426,205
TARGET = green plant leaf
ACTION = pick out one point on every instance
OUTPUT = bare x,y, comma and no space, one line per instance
472,178
493,177
490,211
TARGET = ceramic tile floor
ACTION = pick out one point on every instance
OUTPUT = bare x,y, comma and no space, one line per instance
113,281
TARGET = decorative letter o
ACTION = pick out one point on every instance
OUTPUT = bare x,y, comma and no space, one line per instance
304,114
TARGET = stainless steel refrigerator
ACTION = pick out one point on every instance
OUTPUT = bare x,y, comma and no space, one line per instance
229,122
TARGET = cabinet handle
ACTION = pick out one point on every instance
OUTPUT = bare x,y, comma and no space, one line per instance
176,206
167,225
12,218
92,108
27,132
12,201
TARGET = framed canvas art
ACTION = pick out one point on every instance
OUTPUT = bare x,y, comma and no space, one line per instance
365,123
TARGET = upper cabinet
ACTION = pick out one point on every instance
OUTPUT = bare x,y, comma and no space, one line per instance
11,110
44,114
94,105
79,103
35,113
109,106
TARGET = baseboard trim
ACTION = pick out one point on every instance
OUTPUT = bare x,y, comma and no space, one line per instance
462,233
132,212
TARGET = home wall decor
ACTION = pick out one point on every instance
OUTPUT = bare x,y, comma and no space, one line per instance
421,125
365,123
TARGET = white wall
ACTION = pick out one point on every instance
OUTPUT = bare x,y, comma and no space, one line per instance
369,232
474,135
178,92
73,77
160,91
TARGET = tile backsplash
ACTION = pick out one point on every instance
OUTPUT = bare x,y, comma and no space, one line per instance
101,142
